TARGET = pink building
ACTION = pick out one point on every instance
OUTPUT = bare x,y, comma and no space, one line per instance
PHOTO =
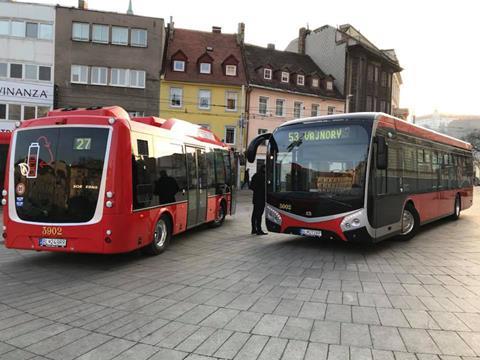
283,86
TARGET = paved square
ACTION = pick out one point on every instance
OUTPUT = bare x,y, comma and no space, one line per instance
225,294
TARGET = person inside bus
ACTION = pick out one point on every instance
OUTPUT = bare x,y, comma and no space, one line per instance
258,186
166,187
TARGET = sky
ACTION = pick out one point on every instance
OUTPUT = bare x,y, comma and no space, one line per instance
436,41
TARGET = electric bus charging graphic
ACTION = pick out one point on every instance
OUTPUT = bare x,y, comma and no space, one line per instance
32,161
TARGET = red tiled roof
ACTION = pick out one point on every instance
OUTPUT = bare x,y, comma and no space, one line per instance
194,45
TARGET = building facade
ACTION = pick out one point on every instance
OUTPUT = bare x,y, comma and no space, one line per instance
282,86
26,61
203,80
363,73
104,58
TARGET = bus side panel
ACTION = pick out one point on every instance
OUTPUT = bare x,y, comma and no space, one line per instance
466,197
212,205
180,217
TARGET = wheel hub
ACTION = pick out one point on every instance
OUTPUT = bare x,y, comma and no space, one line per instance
408,222
160,233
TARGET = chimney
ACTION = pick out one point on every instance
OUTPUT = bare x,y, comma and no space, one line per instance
171,28
271,46
83,4
302,38
216,29
241,33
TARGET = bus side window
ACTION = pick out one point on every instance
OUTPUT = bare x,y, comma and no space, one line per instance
219,171
171,178
228,168
143,167
409,168
380,179
394,170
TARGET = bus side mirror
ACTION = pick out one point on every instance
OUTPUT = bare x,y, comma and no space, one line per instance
382,153
253,146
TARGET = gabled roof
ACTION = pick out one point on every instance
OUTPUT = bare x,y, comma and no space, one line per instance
258,57
194,44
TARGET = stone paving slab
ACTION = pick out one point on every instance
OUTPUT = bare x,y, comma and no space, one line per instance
225,294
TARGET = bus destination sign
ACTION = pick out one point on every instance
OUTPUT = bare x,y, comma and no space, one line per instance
338,133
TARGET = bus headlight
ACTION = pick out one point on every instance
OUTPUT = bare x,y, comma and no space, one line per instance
4,192
273,215
353,221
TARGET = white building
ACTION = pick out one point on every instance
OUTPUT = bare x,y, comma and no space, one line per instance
27,49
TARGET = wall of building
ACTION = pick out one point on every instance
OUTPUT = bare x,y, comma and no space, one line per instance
270,121
26,97
217,118
322,47
69,52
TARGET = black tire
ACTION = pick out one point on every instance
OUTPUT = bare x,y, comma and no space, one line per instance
220,216
410,223
457,208
162,235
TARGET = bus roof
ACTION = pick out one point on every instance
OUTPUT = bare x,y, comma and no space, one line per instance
177,126
394,123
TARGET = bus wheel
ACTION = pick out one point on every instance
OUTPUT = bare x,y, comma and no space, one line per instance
457,208
161,237
220,216
410,223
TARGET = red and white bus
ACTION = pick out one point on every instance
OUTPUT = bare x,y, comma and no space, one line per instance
5,137
362,177
95,181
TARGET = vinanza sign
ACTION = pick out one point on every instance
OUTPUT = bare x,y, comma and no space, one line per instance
23,92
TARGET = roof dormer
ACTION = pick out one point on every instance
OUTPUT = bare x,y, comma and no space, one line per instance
179,61
230,66
205,62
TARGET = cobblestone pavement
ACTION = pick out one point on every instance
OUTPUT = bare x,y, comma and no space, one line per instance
224,294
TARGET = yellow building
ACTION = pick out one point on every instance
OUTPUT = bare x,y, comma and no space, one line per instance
203,81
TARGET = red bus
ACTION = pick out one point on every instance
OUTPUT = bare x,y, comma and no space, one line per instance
5,137
362,177
95,181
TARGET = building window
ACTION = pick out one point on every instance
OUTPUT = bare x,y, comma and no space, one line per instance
4,28
176,95
262,105
79,74
42,111
137,79
297,109
369,104
229,135
331,110
31,30
3,69
16,71
29,112
139,38
370,73
3,111
178,65
315,111
285,77
80,31
45,31
31,72
232,99
315,82
204,99
98,75
14,112
17,28
119,35
383,106
205,68
267,74
280,107
119,77
375,74
383,79
44,73
329,85
300,80
231,70
100,33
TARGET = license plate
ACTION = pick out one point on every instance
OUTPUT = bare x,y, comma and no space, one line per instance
47,242
309,232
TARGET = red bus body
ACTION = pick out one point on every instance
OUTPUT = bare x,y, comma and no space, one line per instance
378,214
116,227
5,137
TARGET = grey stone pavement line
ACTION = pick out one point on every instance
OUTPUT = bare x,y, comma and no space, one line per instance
224,294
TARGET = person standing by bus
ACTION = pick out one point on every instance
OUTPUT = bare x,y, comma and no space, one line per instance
246,179
258,186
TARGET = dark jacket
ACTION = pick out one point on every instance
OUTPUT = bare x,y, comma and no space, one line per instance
258,186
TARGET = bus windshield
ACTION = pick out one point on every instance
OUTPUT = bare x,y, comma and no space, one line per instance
322,163
58,172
